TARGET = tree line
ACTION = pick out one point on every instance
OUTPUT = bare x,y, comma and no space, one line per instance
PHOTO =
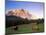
14,20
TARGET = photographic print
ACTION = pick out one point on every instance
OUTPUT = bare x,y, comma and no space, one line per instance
24,17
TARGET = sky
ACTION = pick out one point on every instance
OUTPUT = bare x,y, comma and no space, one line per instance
35,8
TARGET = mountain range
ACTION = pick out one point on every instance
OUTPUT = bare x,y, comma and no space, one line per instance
21,13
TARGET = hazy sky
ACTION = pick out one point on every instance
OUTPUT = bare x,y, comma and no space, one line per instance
36,8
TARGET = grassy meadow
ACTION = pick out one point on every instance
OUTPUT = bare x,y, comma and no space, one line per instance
26,28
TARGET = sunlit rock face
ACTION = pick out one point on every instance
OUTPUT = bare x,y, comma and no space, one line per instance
20,12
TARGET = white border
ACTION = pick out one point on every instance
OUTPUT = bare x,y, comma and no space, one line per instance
2,17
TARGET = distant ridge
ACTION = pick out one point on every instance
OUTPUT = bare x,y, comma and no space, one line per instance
20,12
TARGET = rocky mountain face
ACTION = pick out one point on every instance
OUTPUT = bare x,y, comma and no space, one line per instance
20,16
20,13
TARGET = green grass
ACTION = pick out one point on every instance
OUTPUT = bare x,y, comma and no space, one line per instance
25,28
41,27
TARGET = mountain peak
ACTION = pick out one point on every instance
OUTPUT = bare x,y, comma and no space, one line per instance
20,12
